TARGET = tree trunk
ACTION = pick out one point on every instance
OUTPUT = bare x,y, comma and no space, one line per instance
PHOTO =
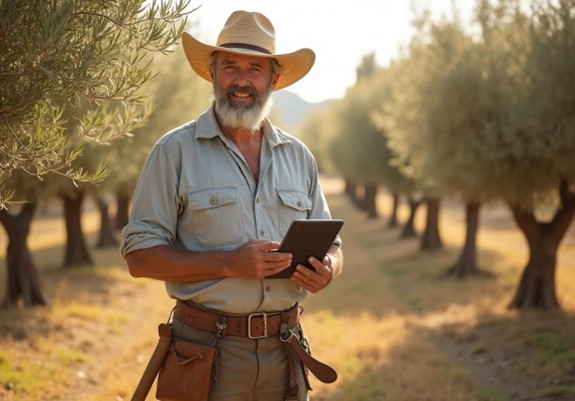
23,281
106,237
393,222
431,240
76,253
409,227
370,200
537,286
360,196
123,210
355,192
350,187
466,265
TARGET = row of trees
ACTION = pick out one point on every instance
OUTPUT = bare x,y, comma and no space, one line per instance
482,117
76,90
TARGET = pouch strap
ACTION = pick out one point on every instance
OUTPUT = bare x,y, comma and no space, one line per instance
325,373
153,367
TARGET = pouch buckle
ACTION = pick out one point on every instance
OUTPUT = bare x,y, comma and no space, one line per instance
264,317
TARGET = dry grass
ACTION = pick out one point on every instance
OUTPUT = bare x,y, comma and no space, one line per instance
392,325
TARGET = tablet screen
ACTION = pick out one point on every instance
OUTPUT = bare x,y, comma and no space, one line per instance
306,238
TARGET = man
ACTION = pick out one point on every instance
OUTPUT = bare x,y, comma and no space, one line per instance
214,200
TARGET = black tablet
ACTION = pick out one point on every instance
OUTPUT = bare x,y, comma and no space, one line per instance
306,238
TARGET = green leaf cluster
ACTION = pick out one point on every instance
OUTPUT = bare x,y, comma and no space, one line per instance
489,115
66,52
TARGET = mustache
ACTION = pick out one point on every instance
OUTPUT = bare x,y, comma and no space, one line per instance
250,90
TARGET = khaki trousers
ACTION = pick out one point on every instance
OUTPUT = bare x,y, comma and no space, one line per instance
248,369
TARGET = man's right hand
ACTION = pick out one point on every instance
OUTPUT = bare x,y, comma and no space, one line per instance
257,259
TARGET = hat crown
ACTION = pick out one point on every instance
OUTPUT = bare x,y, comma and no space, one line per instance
251,34
250,30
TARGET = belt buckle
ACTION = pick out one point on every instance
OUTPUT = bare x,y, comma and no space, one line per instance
265,321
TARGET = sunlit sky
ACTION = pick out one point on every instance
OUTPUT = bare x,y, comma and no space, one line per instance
340,32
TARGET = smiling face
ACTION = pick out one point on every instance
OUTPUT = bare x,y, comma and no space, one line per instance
242,89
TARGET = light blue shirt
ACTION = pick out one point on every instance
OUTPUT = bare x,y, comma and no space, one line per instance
197,193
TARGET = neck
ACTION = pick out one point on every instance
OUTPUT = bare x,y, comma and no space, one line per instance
239,134
249,144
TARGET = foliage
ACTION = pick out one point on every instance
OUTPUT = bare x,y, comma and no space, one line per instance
488,118
176,98
67,51
315,132
357,148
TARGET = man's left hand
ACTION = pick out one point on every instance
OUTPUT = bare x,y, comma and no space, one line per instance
314,279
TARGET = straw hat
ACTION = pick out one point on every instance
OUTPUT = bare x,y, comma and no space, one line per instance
253,34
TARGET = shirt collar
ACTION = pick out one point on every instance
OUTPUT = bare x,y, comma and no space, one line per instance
208,128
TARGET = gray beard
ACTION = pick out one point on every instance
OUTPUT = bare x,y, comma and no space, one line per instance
249,118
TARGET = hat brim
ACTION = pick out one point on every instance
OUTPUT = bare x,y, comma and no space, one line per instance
294,65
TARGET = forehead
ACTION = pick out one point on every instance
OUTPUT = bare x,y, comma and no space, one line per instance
224,57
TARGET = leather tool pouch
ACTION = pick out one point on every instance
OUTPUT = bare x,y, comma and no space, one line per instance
187,373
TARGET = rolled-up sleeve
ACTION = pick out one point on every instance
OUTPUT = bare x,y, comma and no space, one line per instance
153,218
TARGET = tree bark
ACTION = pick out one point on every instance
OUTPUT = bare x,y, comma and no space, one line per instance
23,281
370,200
409,227
359,196
466,265
76,251
431,240
123,210
393,222
106,237
536,289
350,187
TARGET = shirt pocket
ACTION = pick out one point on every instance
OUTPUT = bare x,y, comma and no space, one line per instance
216,216
294,205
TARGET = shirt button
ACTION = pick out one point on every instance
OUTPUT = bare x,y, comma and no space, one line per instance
268,289
262,232
257,200
213,200
299,203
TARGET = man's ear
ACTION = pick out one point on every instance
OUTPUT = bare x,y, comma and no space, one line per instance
275,80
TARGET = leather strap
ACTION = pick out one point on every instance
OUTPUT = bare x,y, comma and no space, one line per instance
324,373
153,367
255,325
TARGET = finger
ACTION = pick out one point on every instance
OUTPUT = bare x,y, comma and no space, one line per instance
269,270
321,268
267,246
307,276
277,257
313,279
302,280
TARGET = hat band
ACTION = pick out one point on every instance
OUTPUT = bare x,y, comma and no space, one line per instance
246,46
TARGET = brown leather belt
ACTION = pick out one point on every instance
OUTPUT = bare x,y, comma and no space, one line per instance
255,325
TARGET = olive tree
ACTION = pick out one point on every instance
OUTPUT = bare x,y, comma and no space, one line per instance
493,119
55,51
64,53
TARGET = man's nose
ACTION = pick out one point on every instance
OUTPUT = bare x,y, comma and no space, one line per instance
242,78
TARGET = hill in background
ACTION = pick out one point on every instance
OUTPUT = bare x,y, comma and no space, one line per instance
291,110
